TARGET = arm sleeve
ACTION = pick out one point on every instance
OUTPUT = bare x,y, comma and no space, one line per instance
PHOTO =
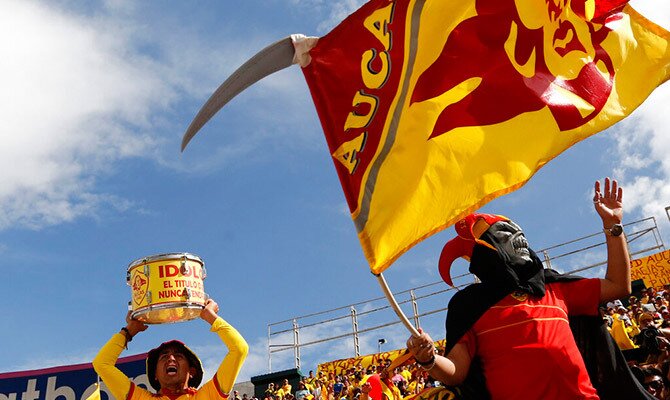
470,343
224,379
582,296
105,366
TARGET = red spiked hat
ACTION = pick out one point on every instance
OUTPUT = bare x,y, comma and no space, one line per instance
469,230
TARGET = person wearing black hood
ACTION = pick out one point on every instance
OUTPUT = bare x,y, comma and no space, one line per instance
512,336
174,370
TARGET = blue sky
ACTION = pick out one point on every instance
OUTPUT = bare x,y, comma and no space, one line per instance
95,100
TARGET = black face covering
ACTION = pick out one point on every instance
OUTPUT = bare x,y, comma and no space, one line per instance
505,269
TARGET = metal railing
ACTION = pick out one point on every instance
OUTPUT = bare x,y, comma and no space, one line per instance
643,237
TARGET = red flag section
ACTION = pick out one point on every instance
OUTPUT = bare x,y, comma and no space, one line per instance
432,108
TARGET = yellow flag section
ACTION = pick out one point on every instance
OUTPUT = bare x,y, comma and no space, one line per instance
341,367
96,393
654,270
428,183
437,393
620,334
432,108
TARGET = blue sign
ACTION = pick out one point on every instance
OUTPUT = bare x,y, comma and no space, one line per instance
72,382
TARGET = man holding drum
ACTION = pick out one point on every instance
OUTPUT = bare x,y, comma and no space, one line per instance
172,368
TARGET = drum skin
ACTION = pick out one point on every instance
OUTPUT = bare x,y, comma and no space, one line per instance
166,288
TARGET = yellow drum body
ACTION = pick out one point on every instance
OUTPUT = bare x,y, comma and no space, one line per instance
167,288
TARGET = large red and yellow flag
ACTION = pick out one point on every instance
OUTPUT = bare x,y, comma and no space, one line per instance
431,108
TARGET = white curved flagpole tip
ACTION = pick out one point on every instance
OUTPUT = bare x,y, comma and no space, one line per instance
271,59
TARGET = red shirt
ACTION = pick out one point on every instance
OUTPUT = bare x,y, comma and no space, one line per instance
526,345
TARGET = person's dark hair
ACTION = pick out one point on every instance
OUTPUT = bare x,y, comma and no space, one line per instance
665,369
637,373
648,338
653,372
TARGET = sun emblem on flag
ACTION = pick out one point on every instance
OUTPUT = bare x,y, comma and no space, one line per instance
536,54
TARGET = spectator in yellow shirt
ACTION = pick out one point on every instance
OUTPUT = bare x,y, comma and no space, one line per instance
172,368
286,387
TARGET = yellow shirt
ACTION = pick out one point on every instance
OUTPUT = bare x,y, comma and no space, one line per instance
310,381
406,374
216,388
620,335
411,387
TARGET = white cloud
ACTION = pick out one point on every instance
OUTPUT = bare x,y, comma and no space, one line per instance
643,145
643,141
70,93
331,12
81,94
339,10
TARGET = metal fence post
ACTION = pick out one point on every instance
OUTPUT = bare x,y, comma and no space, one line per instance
296,343
415,309
547,260
354,328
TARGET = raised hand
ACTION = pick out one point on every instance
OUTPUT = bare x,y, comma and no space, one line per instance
609,203
210,312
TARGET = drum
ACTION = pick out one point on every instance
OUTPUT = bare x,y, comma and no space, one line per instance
166,288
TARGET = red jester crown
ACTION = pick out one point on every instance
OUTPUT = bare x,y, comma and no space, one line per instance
469,230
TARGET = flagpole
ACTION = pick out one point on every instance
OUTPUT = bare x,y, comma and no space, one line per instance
394,304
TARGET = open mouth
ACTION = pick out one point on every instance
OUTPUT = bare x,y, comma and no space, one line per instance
171,370
520,245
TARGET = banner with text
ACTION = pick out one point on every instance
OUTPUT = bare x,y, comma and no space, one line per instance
71,382
654,270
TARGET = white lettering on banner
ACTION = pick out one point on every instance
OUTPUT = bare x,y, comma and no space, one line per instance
140,380
53,393
45,387
31,392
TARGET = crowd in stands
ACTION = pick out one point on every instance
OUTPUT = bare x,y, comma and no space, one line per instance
641,328
403,382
